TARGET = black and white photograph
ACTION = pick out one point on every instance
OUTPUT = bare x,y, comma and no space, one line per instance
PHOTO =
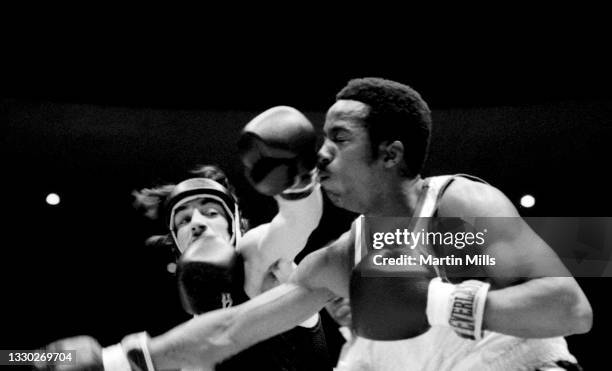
254,203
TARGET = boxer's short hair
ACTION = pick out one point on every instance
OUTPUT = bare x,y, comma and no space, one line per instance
215,173
396,112
150,200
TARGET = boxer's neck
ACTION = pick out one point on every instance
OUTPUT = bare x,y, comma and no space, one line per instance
400,198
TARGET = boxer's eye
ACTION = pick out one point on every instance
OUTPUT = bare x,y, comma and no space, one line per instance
211,212
340,136
338,139
182,221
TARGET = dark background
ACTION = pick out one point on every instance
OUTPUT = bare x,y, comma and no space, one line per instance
94,119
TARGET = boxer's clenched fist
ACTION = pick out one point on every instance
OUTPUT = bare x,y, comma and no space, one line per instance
278,151
88,354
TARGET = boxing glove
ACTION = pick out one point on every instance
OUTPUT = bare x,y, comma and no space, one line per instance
87,354
278,150
207,274
131,354
393,302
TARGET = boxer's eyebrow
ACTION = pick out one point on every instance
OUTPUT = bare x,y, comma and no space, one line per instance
340,123
339,127
180,208
350,115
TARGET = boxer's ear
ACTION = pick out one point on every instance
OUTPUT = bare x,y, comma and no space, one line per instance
392,153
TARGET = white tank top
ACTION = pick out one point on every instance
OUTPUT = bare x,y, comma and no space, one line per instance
440,348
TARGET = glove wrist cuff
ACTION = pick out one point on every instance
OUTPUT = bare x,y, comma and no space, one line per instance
458,306
114,359
438,302
302,187
136,348
132,354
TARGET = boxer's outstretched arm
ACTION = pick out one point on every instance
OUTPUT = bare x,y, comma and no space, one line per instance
290,229
214,336
533,294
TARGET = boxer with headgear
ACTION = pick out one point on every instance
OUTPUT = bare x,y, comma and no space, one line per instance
204,222
210,269
218,266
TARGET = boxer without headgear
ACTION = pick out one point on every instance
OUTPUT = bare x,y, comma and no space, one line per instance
376,139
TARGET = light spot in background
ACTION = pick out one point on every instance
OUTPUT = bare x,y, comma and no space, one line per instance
527,201
53,199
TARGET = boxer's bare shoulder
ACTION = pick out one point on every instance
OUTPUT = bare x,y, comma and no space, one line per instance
518,251
248,244
468,198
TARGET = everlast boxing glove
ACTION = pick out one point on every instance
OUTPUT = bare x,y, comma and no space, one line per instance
278,150
393,302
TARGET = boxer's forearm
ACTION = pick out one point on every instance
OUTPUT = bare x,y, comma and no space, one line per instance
539,308
280,240
215,336
290,229
196,343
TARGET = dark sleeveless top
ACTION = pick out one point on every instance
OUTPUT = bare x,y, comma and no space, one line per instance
299,349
